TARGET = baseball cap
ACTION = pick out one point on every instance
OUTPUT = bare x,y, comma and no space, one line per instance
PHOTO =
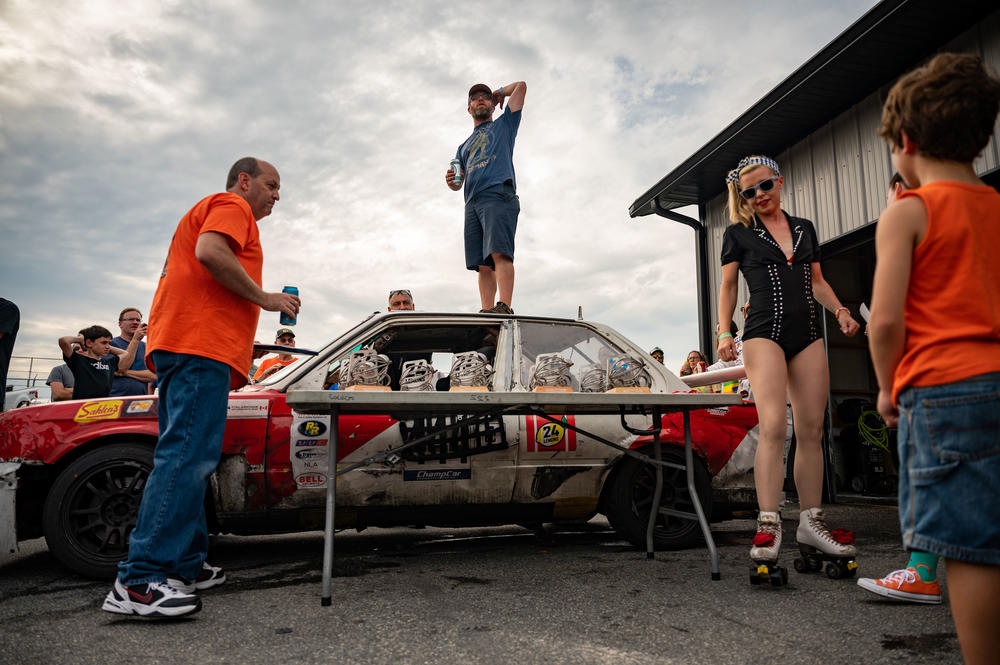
480,87
283,331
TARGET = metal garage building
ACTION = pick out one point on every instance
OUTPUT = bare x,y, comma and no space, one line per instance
821,125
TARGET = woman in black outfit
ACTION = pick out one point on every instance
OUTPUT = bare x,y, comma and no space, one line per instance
782,346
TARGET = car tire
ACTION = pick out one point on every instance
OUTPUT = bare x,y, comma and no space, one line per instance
629,496
92,507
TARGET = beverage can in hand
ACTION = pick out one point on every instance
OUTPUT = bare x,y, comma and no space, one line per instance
456,168
285,319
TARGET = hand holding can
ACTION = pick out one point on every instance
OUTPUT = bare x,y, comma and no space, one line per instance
286,319
457,173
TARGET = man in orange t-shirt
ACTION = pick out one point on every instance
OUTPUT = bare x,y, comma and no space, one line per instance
285,337
212,275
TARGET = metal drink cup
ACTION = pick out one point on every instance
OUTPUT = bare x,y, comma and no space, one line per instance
456,168
286,320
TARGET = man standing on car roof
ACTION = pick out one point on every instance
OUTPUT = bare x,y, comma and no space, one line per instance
491,203
215,261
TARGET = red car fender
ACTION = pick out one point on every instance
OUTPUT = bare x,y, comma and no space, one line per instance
715,433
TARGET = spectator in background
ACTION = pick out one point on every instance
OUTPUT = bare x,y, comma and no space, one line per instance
401,300
10,321
694,364
61,381
96,361
657,354
285,337
135,379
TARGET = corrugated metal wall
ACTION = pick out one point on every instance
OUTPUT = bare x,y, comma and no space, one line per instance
838,176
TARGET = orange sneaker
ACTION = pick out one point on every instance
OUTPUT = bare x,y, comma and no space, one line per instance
904,585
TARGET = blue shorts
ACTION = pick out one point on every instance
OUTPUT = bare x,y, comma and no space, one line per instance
949,479
490,224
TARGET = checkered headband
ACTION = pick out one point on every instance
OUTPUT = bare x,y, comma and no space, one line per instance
734,175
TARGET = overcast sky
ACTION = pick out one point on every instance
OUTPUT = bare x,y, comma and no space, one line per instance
116,117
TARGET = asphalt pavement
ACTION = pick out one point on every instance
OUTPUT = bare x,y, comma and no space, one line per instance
577,594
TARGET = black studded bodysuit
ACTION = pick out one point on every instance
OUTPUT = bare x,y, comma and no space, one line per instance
782,307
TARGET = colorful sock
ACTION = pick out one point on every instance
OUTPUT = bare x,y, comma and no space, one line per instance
925,564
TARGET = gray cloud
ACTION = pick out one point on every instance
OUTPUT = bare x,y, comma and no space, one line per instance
116,118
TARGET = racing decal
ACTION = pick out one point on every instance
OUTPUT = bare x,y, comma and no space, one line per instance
90,412
310,442
456,444
546,436
247,408
308,452
718,410
313,426
437,474
139,406
310,479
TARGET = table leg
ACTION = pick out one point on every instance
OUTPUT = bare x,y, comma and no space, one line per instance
331,504
654,509
705,529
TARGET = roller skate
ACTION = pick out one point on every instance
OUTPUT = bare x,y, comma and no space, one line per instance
764,553
823,550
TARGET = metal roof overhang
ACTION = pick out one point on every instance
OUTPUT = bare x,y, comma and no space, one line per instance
890,39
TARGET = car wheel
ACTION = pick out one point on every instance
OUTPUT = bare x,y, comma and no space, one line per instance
630,494
92,507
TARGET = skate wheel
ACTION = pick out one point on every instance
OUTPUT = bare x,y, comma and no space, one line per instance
754,580
779,576
815,564
800,566
833,571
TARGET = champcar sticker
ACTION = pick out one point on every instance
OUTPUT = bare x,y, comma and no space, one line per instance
437,474
90,412
139,406
547,436
309,441
247,408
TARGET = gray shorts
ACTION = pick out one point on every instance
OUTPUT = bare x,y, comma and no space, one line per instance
490,225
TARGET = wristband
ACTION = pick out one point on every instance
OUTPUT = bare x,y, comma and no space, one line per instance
500,92
836,314
725,335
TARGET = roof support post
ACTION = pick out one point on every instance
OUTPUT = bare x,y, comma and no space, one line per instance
705,334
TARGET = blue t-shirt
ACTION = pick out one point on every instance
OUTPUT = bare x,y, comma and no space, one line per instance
488,155
125,385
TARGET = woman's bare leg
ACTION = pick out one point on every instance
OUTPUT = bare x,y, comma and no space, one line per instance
765,365
808,391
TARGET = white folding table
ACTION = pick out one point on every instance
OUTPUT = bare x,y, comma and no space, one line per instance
484,405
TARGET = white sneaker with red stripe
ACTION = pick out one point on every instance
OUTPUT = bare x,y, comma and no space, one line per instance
156,599
209,577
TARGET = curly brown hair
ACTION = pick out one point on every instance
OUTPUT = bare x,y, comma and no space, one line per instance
947,107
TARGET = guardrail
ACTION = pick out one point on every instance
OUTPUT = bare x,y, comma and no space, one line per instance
30,371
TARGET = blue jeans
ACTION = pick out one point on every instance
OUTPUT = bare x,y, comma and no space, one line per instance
171,533
949,477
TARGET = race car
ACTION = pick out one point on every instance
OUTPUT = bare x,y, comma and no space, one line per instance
74,471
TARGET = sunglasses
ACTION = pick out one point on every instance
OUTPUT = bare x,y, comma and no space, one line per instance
481,95
401,292
763,185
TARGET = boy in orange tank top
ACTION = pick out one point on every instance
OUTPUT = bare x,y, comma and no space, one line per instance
935,333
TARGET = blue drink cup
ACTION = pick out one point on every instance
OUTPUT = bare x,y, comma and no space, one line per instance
286,320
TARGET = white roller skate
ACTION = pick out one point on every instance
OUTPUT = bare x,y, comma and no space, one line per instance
818,545
764,552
